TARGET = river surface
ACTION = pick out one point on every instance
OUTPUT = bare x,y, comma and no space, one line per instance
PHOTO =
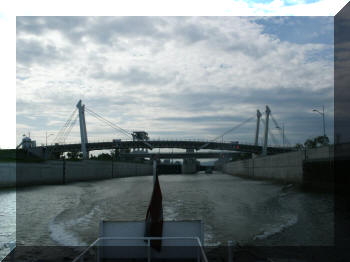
7,220
231,208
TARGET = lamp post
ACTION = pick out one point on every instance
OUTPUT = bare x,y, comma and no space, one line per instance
322,114
47,137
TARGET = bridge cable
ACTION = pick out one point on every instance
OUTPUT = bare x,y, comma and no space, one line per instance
233,128
109,123
65,126
114,126
280,130
273,138
270,133
228,131
64,130
66,134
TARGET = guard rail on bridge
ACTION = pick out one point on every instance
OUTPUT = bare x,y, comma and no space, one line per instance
180,155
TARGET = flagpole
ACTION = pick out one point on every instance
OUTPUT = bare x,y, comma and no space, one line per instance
154,216
154,170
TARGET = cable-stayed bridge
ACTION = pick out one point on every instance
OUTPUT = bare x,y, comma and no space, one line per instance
139,142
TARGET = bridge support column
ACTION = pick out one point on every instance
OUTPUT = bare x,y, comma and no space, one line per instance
189,165
266,134
83,133
258,115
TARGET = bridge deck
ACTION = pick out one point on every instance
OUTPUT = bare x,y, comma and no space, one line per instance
196,145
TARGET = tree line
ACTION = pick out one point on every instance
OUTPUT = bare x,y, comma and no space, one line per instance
314,142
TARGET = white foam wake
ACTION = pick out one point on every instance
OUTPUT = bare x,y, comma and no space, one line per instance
209,238
61,235
292,220
171,210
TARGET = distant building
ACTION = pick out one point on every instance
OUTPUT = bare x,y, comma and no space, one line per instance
27,143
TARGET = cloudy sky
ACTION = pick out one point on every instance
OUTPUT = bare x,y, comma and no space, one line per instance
174,77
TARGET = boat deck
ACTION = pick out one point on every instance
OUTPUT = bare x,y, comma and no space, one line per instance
125,241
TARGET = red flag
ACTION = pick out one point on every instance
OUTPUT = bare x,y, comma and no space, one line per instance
154,216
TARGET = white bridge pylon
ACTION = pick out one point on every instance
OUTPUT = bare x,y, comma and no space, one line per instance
258,115
83,132
265,121
266,133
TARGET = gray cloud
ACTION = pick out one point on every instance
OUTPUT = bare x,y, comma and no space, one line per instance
290,98
133,76
203,119
101,29
192,33
71,26
106,28
32,51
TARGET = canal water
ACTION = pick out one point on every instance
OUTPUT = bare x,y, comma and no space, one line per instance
7,220
231,208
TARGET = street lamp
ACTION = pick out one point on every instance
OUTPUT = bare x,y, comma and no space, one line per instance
322,114
47,137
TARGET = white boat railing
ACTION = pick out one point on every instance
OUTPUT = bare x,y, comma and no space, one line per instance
201,257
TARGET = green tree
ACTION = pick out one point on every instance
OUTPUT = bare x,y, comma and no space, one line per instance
104,156
322,141
299,146
317,142
74,155
310,143
92,157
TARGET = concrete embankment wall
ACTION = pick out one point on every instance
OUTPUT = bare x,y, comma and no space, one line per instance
286,167
39,173
59,172
7,174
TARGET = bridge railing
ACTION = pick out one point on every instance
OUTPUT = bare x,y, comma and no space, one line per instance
175,139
